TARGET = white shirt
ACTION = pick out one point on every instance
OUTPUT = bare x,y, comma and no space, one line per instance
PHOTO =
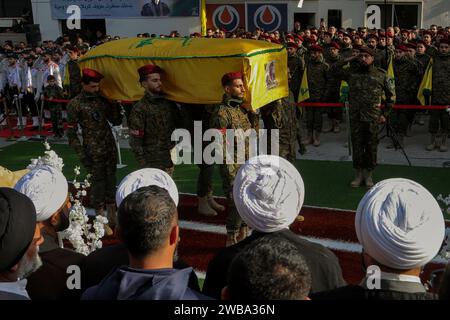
17,287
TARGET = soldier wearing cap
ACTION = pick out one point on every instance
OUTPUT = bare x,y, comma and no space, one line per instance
333,89
93,114
72,76
230,114
439,125
367,84
152,121
317,71
408,74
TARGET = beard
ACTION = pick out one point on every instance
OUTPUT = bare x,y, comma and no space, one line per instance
364,67
28,266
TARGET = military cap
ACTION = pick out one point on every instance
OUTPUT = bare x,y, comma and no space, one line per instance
316,48
292,45
92,74
335,45
148,69
401,48
231,76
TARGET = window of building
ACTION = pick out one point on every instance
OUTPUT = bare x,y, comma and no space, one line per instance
405,15
335,18
306,19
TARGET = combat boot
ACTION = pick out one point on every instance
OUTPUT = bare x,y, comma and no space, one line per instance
310,139
336,127
443,147
204,208
368,180
358,179
231,238
213,204
108,231
316,136
432,144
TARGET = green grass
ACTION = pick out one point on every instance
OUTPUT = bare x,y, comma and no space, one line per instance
326,182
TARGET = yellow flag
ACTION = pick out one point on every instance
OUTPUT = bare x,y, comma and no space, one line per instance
304,87
66,81
426,85
391,77
204,19
343,91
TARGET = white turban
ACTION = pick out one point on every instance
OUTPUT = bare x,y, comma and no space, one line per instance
400,224
143,178
47,187
268,192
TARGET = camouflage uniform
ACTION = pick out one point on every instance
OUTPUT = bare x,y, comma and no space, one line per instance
98,152
407,73
74,87
432,51
152,121
296,66
301,52
333,90
280,115
55,92
191,113
440,95
424,59
230,115
317,82
366,88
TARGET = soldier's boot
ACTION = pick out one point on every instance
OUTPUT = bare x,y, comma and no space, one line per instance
316,136
213,204
358,179
328,127
368,180
231,238
204,209
336,126
432,144
310,138
443,147
111,214
108,231
301,149
243,233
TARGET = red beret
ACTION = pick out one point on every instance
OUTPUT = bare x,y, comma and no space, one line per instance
290,36
311,40
411,45
148,69
231,76
426,32
300,38
315,47
292,45
445,41
401,48
374,36
276,41
365,49
335,45
95,76
389,35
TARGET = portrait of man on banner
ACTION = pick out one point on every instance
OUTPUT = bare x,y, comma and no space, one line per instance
155,8
271,80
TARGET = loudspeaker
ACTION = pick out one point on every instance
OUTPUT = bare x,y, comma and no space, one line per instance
33,34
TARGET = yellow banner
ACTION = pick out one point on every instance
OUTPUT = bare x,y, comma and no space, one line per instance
193,68
304,87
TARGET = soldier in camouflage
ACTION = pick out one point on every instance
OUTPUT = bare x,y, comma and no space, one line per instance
280,115
346,48
408,73
367,84
207,206
333,89
439,126
53,91
93,114
230,114
317,71
152,122
73,84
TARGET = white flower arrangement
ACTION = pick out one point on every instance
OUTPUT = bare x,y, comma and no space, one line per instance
85,237
445,250
49,159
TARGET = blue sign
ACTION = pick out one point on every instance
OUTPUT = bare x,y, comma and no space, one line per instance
101,9
267,16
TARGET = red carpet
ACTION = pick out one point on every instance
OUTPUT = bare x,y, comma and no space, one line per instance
28,132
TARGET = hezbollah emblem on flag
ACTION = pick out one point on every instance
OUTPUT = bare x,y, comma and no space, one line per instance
304,87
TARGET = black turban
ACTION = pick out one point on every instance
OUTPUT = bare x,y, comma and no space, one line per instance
17,226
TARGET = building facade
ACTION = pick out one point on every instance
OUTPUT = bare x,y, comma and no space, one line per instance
341,13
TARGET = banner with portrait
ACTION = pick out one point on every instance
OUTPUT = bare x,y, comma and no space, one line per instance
101,9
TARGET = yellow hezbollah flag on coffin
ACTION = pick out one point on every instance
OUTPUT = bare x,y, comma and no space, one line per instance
193,68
